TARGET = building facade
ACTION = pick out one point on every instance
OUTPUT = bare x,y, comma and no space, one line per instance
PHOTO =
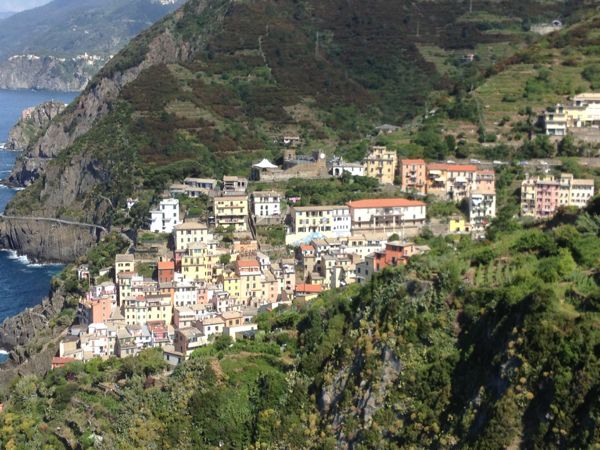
231,210
542,196
310,222
166,217
382,164
387,214
413,173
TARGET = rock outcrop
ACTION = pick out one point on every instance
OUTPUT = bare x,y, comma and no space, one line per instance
46,239
47,72
33,122
31,338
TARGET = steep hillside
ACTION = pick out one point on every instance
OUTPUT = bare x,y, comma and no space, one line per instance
211,87
475,345
62,44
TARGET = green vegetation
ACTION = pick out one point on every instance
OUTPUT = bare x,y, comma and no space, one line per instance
272,235
475,345
335,191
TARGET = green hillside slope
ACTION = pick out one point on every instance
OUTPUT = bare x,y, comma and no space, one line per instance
214,86
490,345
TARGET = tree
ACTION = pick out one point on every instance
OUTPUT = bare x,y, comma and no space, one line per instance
567,147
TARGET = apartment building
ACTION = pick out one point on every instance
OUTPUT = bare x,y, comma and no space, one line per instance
542,196
139,310
164,219
231,211
451,181
124,262
382,164
234,185
191,232
413,174
482,209
310,222
266,204
199,259
387,214
583,111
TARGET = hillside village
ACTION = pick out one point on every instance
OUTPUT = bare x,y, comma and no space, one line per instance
213,276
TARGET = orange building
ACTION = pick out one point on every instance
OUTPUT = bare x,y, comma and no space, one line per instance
166,271
96,310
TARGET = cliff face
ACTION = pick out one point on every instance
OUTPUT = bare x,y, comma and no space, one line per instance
47,72
47,240
94,103
31,338
34,123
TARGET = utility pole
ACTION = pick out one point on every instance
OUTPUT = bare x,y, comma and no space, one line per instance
317,46
470,6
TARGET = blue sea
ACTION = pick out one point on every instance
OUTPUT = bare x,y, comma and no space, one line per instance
22,284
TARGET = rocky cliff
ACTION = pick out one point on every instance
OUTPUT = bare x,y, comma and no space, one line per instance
47,239
47,72
33,122
31,338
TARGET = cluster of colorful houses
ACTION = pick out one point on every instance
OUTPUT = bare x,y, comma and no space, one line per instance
208,287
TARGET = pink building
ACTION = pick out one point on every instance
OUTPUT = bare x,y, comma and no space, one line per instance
413,173
547,197
485,181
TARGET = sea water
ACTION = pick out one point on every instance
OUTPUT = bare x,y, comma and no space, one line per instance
22,284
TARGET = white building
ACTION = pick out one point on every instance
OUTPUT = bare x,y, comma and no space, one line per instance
185,293
387,214
339,166
266,203
166,217
312,222
482,209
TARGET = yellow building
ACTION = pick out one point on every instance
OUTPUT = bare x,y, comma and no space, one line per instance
190,233
382,164
151,308
231,284
198,261
231,210
458,225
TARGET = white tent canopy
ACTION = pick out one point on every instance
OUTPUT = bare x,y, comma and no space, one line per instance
265,164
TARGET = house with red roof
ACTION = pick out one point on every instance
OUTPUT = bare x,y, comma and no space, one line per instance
308,291
387,214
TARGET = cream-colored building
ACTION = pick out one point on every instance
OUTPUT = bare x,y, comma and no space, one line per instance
382,164
311,222
231,210
190,233
582,112
124,262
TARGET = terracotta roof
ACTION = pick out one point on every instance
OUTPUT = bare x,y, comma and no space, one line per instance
452,167
384,203
309,288
486,172
247,263
412,161
166,265
62,360
307,248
